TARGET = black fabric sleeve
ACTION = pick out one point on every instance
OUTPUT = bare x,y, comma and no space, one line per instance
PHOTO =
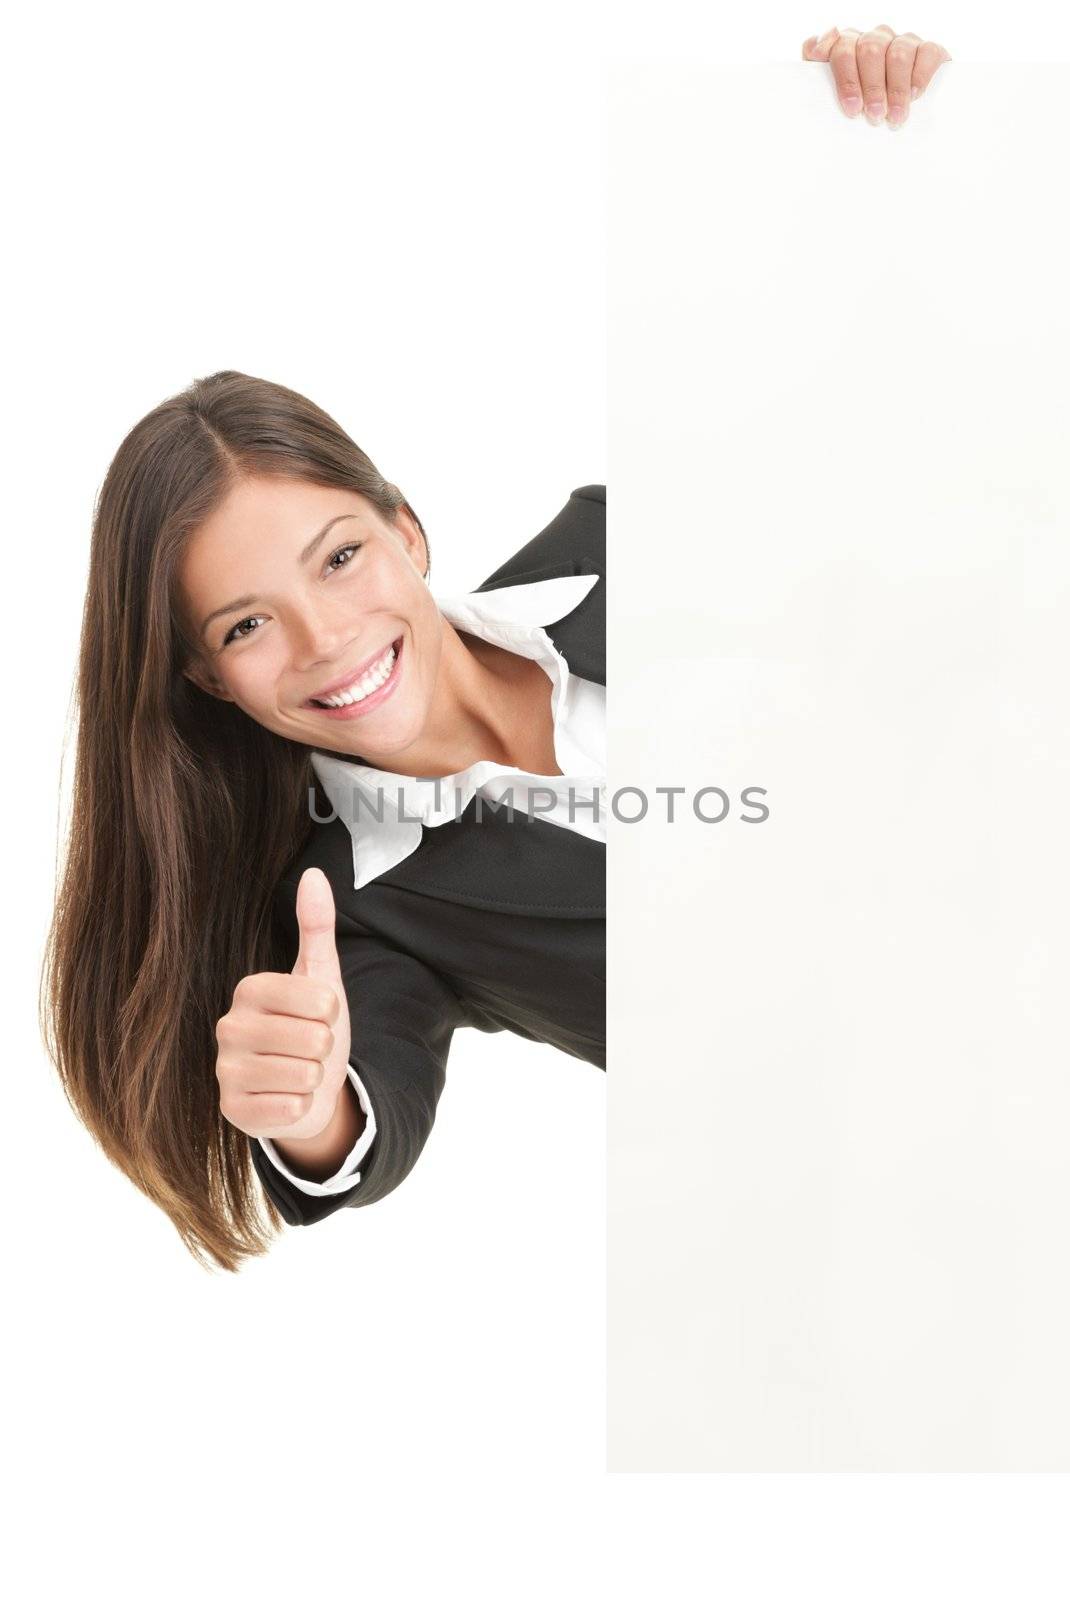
402,1020
577,534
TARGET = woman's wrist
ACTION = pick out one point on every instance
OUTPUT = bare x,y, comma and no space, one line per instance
317,1158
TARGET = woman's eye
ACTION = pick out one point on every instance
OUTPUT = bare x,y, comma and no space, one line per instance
341,552
234,634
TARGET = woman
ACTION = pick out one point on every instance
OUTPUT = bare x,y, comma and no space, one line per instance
244,999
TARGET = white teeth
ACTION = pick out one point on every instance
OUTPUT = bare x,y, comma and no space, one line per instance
368,684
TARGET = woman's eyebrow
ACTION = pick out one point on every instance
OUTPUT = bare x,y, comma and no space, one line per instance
306,555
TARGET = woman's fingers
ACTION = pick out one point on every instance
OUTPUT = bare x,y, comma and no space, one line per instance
871,49
899,75
929,57
844,63
881,70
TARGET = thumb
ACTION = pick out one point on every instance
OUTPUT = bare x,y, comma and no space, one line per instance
317,953
819,48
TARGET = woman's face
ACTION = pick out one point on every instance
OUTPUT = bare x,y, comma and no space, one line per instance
295,591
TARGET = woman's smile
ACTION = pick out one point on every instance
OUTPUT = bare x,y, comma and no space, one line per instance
365,691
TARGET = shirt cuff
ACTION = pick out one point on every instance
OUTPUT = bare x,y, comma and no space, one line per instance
346,1177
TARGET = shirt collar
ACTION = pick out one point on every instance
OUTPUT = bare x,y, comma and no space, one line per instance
386,825
519,605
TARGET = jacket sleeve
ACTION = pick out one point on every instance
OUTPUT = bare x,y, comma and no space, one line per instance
402,1018
348,1174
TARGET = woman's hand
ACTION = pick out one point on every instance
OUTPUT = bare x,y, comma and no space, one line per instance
284,1043
882,70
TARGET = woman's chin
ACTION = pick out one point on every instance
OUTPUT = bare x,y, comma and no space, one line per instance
378,746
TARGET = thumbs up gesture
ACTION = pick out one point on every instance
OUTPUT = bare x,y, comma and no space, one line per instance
284,1044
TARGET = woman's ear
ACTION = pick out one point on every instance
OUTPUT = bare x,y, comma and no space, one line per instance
199,674
415,540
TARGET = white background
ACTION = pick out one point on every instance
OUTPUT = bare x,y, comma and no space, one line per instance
401,214
839,414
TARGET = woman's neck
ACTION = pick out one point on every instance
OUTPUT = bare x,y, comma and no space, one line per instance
490,704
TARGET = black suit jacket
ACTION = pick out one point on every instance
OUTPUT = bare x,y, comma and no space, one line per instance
490,923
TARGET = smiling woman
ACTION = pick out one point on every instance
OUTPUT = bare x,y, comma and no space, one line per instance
322,620
245,1007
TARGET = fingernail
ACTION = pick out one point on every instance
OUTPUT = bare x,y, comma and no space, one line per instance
896,115
852,105
914,91
875,112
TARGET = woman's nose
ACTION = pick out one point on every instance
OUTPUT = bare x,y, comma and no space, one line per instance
316,639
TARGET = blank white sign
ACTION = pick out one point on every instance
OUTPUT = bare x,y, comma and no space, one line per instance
839,1039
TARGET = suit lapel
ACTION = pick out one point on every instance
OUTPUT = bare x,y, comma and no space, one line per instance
521,864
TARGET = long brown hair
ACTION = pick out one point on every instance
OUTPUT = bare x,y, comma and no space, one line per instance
184,814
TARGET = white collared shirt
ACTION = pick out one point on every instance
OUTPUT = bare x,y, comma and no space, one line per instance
514,617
